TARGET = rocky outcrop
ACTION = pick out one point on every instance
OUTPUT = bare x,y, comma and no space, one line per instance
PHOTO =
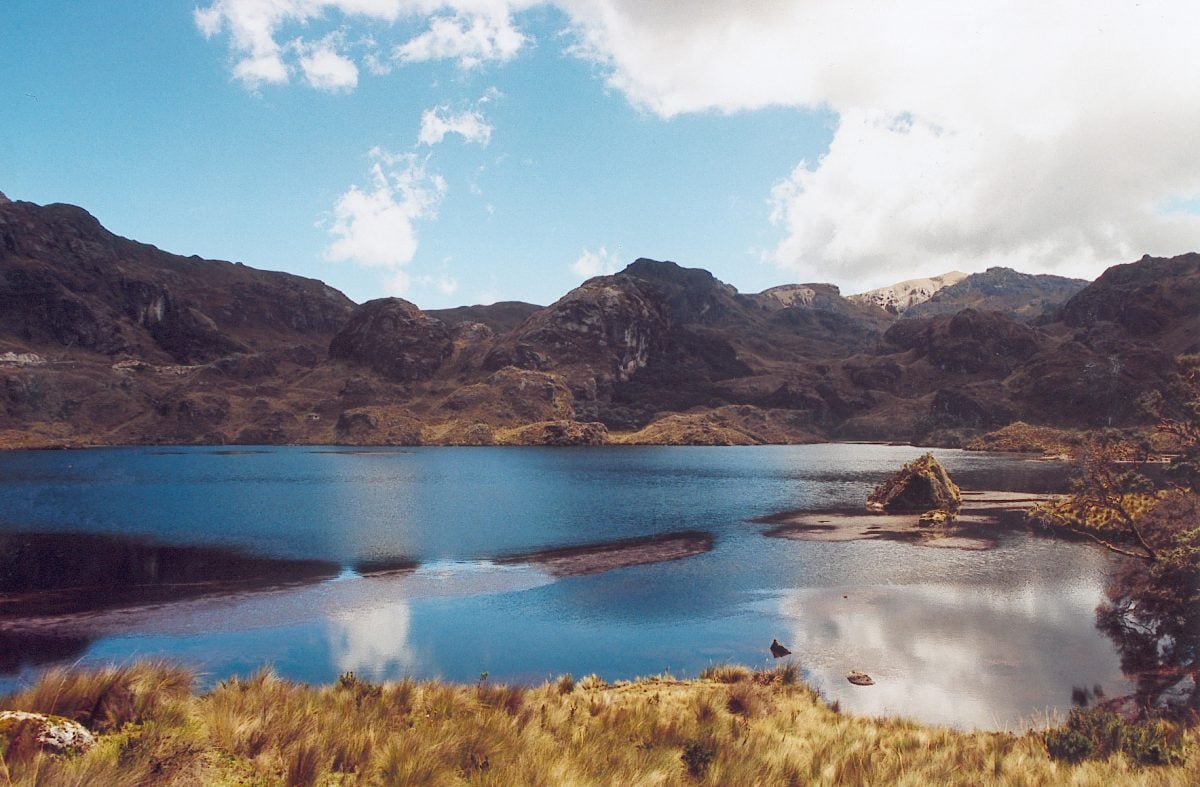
921,485
394,338
607,328
381,425
20,730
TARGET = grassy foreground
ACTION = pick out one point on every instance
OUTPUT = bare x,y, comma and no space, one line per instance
731,727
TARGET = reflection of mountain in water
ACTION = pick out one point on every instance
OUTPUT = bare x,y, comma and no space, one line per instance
66,572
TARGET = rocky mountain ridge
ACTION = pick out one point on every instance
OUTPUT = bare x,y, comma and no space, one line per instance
107,341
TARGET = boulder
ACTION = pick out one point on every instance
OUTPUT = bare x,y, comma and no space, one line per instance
921,485
860,678
53,734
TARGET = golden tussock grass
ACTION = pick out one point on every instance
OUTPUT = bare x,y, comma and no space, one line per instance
730,727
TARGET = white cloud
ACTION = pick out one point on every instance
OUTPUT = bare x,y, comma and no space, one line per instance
469,38
376,226
595,263
1048,136
1038,135
324,68
436,123
470,32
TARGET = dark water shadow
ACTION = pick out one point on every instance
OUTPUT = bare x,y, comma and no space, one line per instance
65,573
376,567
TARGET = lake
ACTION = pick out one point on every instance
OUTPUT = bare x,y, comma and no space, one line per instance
989,639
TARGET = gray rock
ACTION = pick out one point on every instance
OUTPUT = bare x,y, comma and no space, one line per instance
53,733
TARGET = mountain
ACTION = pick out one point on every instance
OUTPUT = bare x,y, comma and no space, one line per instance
107,341
68,282
898,298
1021,295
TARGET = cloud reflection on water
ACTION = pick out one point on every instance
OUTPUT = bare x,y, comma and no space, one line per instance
961,656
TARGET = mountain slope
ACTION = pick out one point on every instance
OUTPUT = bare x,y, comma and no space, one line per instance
107,341
1021,295
67,281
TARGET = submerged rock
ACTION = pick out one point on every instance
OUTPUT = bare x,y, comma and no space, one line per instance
50,733
921,485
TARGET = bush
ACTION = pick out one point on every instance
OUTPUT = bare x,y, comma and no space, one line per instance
1069,745
1097,733
698,755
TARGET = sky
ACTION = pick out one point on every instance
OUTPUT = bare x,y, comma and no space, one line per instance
471,151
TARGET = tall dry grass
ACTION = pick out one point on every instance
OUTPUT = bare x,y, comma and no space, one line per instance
731,727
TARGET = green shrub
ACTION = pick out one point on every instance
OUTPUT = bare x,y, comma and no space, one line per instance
1068,745
1097,733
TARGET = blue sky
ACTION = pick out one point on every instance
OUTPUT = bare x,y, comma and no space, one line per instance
769,143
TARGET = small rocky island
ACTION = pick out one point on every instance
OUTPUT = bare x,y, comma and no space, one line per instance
920,504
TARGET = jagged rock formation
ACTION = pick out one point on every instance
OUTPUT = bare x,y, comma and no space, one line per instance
921,485
104,340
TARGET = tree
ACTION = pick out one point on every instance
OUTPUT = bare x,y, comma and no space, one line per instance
1152,606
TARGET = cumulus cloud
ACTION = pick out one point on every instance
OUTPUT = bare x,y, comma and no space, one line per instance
1045,136
377,225
436,123
600,262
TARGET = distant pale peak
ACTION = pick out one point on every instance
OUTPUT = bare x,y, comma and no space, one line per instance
897,297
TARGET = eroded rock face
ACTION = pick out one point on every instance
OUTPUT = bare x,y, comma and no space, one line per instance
607,324
394,338
53,734
921,485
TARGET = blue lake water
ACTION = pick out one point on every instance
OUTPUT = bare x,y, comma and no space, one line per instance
989,639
